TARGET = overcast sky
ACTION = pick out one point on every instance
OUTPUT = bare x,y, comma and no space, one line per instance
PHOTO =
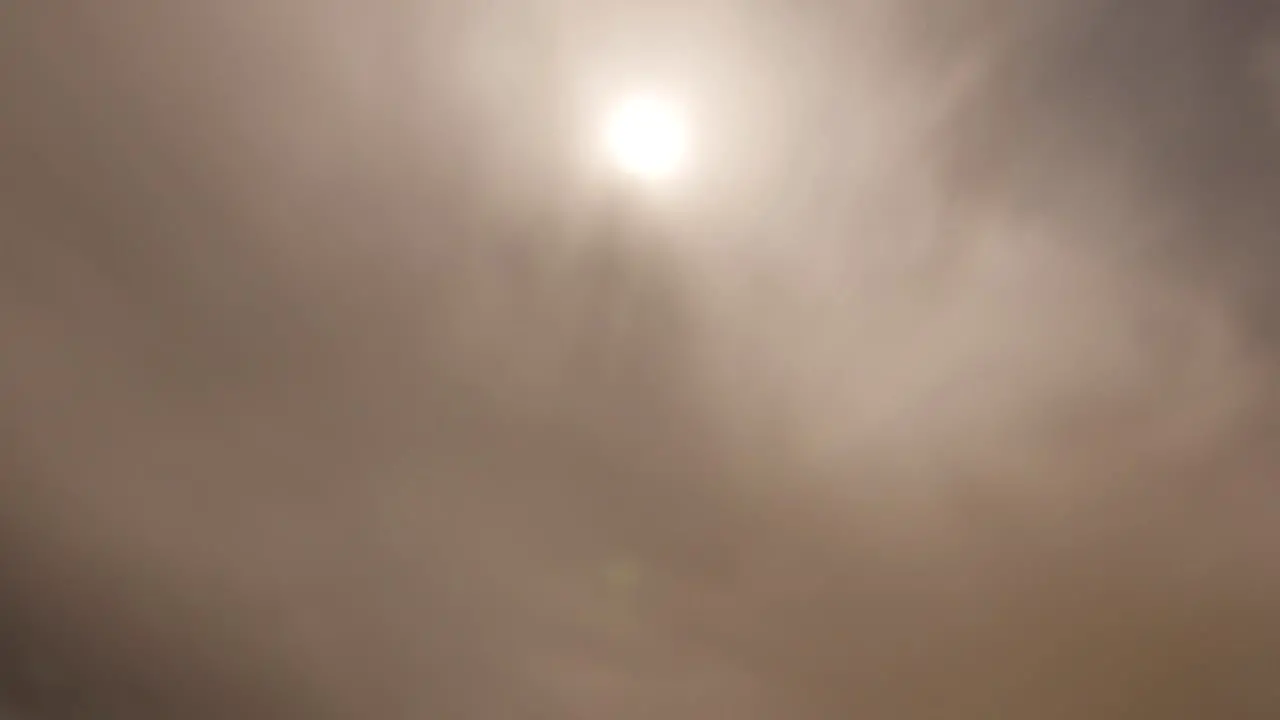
342,376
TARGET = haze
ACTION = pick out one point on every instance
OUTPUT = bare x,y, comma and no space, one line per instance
342,374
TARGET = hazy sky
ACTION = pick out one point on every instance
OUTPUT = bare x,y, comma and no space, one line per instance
343,376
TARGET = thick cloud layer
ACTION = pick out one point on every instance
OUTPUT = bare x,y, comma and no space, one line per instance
337,380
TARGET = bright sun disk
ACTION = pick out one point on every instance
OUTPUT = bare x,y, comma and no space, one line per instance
647,136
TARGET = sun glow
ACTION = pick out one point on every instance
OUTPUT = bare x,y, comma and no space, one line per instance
647,136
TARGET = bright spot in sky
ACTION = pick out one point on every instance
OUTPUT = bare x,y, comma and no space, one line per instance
647,136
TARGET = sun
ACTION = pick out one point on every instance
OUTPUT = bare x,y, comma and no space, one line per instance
647,136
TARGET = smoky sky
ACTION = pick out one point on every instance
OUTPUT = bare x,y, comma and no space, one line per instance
338,380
